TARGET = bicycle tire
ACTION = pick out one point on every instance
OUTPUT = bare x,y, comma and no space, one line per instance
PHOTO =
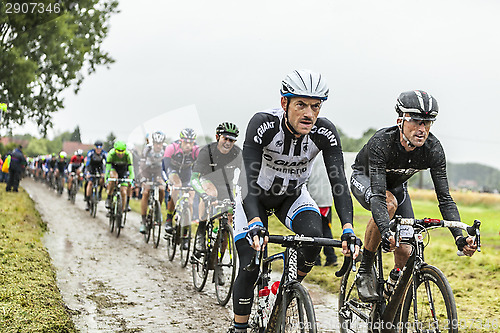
199,267
74,189
112,217
172,242
185,236
430,281
156,226
349,320
93,202
297,314
149,223
118,215
226,261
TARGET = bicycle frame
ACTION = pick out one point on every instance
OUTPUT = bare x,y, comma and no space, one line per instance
288,274
407,231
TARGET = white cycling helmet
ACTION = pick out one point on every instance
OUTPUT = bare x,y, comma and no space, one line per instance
158,137
304,83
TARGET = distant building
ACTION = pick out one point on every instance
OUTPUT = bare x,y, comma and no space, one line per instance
71,146
7,140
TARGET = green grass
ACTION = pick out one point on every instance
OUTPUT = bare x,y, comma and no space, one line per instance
475,281
29,298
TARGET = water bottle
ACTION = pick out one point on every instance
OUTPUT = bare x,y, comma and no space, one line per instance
214,232
264,302
391,282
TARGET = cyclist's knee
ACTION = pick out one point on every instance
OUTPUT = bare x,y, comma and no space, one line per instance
392,203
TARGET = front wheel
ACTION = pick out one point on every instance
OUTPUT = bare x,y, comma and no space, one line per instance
199,267
225,270
432,307
297,314
172,242
353,313
156,224
118,215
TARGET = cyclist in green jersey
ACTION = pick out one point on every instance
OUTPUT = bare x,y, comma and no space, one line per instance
119,164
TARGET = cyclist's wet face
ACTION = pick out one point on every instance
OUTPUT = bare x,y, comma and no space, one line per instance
417,131
302,112
225,144
187,145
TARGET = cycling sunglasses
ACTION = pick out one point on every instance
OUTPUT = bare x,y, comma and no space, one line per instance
120,151
419,121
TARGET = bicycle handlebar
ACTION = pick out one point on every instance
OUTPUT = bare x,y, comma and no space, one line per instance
120,180
301,241
427,223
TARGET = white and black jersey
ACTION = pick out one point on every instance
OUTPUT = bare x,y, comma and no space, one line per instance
278,163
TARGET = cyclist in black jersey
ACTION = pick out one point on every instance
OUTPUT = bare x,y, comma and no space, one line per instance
94,165
278,152
379,178
214,171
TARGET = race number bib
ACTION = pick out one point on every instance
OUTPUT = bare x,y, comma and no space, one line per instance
406,231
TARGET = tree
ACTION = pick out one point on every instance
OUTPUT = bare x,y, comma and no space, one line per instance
76,137
42,54
110,141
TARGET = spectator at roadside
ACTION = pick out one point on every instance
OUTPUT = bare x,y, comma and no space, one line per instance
319,188
16,168
1,164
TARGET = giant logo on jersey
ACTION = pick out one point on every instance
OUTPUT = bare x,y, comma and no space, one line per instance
328,134
291,167
261,130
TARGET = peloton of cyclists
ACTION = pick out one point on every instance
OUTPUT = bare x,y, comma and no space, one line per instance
94,165
178,161
151,170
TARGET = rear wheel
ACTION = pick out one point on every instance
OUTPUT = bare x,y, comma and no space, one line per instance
225,270
156,224
432,308
199,266
298,313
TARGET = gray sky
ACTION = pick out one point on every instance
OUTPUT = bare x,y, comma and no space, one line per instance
224,60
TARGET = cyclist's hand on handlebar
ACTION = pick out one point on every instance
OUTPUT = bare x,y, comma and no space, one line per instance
345,238
254,234
466,245
388,242
207,197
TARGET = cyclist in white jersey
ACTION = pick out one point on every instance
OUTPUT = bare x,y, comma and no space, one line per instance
278,152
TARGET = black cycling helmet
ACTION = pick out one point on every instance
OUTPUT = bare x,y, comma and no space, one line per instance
98,144
419,104
227,129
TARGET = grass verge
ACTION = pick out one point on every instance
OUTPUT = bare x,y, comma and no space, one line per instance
30,300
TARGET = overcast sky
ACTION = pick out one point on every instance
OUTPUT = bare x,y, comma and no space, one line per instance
224,60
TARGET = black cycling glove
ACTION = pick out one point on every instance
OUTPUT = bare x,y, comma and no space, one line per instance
256,229
206,197
347,237
461,242
386,243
